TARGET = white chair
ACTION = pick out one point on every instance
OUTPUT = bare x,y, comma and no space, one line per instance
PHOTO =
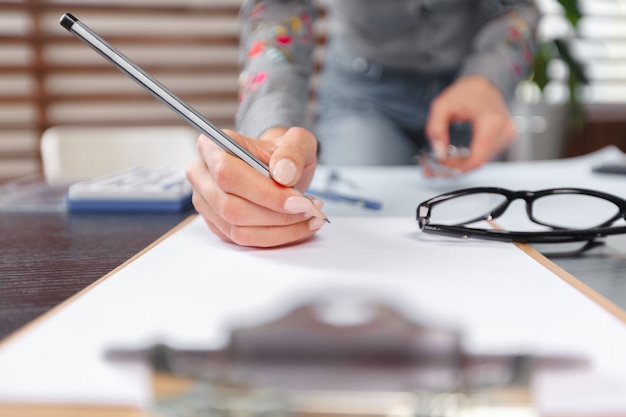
73,153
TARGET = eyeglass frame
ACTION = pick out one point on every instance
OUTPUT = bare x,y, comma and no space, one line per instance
557,235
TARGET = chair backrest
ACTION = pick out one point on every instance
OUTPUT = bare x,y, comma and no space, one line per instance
74,153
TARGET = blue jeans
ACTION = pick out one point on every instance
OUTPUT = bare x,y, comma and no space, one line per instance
367,114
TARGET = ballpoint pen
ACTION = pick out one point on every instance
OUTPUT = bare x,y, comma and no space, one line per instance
345,198
189,114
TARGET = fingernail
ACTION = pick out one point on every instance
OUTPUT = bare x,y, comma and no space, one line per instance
439,150
284,171
315,224
298,204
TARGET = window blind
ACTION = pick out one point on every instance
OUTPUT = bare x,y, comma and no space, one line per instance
48,77
599,43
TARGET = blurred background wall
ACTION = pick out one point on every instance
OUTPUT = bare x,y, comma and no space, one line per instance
549,126
48,77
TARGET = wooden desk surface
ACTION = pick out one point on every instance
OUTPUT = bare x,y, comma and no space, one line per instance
47,257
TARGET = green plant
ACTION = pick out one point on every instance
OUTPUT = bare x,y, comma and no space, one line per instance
559,48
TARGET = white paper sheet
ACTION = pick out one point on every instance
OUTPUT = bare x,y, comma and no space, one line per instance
401,189
191,288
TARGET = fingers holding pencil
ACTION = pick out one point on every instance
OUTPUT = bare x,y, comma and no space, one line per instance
245,207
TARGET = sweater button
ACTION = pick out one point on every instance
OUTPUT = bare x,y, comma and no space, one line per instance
359,64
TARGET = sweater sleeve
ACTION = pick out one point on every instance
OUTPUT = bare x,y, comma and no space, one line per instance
504,48
275,58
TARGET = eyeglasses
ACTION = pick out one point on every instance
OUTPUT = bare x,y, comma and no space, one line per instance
564,214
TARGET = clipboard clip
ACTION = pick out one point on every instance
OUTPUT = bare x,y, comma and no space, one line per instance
307,360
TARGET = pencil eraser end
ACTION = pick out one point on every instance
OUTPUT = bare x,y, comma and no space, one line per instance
67,20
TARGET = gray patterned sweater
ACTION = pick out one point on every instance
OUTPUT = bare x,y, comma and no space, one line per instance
492,38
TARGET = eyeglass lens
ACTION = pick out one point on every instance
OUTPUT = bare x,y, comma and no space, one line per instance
465,208
573,211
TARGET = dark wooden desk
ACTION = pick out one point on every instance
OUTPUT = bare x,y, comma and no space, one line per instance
47,257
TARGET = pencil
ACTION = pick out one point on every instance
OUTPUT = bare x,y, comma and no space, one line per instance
158,90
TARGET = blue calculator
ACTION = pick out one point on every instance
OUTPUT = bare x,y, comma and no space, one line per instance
137,189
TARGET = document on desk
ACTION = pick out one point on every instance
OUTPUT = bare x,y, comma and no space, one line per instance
190,290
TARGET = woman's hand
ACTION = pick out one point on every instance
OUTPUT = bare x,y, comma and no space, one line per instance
476,100
241,205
